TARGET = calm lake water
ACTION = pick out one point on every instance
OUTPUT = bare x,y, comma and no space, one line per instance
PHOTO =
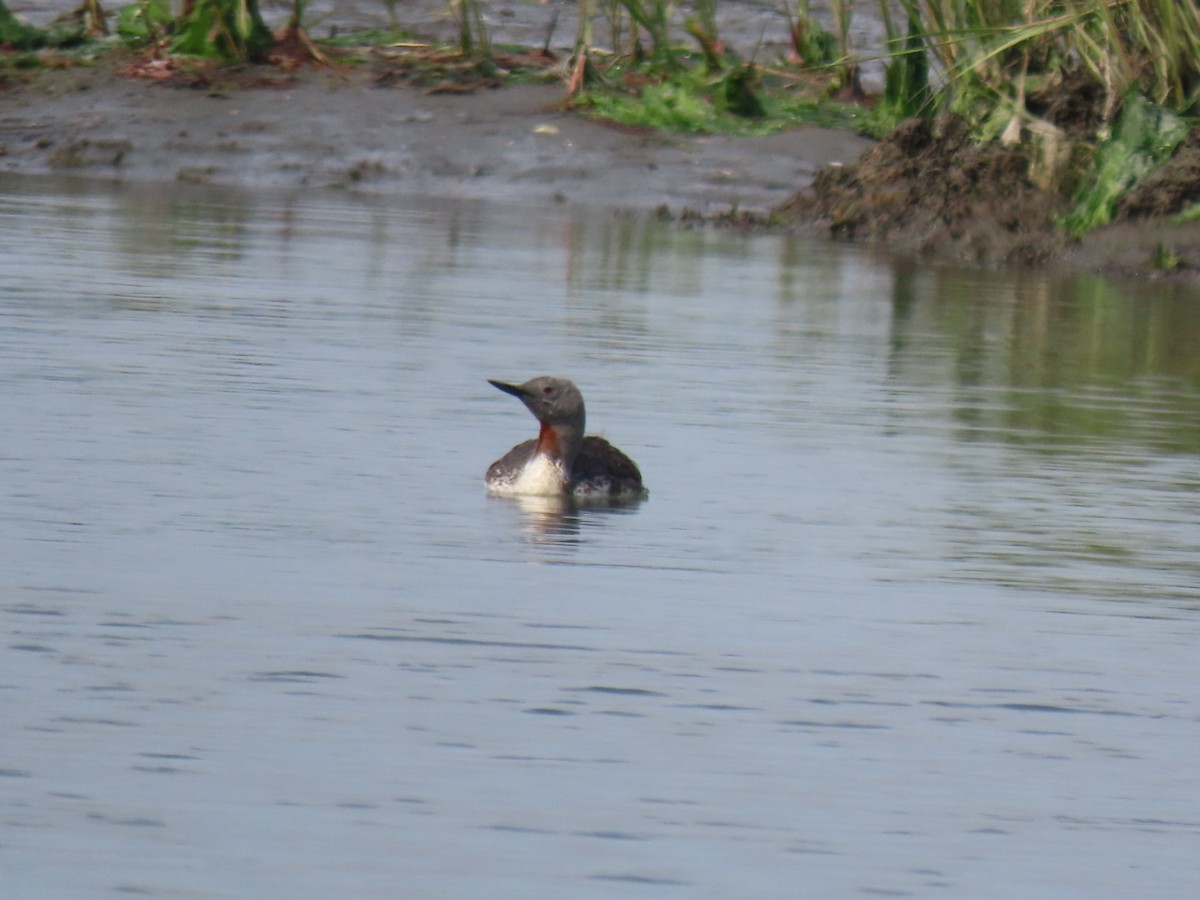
912,610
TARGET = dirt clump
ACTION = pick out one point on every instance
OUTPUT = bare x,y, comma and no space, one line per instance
1075,103
930,189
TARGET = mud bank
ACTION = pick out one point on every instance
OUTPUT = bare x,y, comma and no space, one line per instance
337,128
930,191
353,128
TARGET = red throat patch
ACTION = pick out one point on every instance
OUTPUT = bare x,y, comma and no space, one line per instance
548,441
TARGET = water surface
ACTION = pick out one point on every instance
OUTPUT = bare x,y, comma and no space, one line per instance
912,608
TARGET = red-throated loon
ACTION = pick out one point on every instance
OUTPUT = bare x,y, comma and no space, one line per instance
561,461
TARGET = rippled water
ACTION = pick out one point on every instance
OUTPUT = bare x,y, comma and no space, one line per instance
912,608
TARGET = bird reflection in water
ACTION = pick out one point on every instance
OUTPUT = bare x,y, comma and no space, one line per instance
561,520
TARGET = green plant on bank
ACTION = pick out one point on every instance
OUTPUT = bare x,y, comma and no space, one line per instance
712,89
1144,135
703,27
906,72
814,48
228,30
1190,213
16,33
846,64
66,31
704,22
225,29
145,22
731,102
811,44
473,39
653,17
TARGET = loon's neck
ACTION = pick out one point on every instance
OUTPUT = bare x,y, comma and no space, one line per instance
560,443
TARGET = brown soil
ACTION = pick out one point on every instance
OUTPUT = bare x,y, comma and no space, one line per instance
930,190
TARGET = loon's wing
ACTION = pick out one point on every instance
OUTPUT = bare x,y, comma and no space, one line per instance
509,466
598,459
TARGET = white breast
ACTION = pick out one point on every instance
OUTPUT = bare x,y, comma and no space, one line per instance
541,476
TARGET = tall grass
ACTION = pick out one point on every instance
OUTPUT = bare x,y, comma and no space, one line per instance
988,51
653,17
1137,60
473,39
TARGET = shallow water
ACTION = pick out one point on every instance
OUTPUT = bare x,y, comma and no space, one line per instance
912,608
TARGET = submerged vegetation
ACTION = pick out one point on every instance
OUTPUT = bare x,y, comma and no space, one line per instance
1092,94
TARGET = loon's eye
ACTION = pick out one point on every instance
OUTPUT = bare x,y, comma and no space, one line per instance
547,390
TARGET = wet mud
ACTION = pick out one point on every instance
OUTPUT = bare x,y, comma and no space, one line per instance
380,125
929,189
345,127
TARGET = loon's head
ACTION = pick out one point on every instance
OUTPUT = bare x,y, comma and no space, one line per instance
555,401
558,406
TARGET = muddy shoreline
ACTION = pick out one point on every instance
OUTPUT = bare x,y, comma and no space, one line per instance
344,127
319,129
352,127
